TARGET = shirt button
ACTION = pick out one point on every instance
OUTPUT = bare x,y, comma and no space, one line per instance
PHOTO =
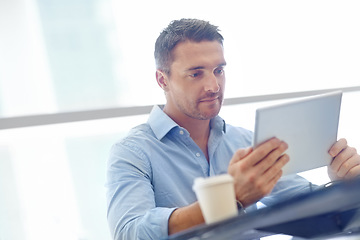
197,154
181,132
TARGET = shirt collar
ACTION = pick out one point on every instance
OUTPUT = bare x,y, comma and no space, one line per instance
218,124
161,123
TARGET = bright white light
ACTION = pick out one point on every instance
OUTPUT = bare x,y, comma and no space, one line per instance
270,47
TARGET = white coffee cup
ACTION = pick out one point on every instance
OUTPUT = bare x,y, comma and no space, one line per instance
216,197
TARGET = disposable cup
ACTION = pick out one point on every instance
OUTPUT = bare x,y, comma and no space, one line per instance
216,197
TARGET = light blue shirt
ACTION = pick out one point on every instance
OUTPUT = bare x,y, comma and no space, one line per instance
151,172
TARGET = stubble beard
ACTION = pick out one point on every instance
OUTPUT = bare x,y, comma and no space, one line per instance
195,111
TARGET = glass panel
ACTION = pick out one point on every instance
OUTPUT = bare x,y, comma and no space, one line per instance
52,177
73,55
80,53
11,224
288,46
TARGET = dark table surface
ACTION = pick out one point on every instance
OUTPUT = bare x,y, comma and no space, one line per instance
327,213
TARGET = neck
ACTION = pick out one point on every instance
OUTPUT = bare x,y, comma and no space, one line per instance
199,129
196,127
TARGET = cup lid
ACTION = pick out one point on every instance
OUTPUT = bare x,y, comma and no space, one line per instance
213,180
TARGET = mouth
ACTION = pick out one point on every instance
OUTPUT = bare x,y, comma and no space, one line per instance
210,100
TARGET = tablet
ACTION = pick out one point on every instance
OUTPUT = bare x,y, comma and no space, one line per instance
308,125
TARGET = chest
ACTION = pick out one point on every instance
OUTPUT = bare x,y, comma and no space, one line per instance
177,162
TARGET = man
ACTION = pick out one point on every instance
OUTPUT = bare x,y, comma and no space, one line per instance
151,171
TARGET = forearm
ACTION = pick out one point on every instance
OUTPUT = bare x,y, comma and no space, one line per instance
185,217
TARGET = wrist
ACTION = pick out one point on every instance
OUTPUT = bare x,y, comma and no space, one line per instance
240,206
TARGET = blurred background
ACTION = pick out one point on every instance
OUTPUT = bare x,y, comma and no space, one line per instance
72,56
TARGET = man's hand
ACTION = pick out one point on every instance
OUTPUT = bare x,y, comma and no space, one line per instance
256,171
346,161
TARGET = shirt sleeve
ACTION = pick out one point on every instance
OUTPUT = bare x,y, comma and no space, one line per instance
288,187
132,211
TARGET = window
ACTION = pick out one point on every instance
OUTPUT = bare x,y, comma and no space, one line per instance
70,56
59,56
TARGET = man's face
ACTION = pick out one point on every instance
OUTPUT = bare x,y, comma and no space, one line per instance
195,87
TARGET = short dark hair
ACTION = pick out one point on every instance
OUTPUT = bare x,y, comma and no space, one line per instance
180,31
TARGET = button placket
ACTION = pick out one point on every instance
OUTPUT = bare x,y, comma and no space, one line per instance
185,137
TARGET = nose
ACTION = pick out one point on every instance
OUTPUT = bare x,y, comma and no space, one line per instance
212,84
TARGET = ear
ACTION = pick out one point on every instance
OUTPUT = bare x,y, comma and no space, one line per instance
162,79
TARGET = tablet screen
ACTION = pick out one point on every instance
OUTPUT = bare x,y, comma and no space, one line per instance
309,126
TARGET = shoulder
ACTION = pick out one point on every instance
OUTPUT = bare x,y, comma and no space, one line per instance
236,130
130,156
238,134
136,140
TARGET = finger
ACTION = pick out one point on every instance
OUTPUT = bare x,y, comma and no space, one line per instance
348,165
338,147
267,185
240,154
264,150
275,179
267,181
341,158
276,168
355,171
272,158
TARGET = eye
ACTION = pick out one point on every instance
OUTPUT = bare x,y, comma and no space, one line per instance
195,74
219,71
